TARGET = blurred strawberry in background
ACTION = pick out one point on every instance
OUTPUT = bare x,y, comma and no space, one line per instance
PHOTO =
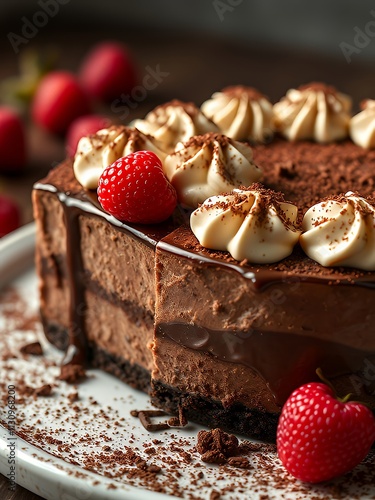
10,217
108,71
46,107
84,125
58,100
12,141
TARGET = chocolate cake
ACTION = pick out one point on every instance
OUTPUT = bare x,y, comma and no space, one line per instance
222,338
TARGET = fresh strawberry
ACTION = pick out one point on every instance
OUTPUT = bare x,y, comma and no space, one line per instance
320,437
12,141
108,71
58,100
135,189
9,215
81,126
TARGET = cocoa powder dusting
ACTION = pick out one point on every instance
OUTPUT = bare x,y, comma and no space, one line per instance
242,91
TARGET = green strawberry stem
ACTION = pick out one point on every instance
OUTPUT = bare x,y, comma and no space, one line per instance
345,399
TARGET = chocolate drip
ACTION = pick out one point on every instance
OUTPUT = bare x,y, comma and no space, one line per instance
271,354
77,350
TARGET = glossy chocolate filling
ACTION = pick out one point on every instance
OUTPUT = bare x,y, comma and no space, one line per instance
284,361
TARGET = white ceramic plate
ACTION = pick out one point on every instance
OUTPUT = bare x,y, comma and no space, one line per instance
57,432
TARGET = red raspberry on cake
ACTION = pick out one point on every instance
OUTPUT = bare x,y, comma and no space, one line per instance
135,189
320,437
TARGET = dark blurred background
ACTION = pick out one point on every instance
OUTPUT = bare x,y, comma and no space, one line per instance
199,46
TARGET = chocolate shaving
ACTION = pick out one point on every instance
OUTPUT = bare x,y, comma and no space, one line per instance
146,415
145,419
180,421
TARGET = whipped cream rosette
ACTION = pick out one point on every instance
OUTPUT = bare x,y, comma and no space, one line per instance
241,113
315,111
255,224
362,125
96,152
175,122
341,232
207,165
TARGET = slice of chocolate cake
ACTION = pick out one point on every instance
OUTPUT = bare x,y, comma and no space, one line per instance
97,286
227,323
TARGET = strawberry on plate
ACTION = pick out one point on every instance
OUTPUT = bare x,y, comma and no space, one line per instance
135,189
320,437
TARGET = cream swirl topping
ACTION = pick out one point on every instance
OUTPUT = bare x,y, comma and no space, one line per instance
175,122
207,165
341,232
96,152
255,224
314,111
362,125
241,113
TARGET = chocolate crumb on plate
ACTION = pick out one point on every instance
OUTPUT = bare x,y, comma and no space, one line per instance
44,390
215,495
73,397
216,446
240,462
180,421
72,373
34,349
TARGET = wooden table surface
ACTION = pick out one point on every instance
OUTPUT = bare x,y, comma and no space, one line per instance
196,67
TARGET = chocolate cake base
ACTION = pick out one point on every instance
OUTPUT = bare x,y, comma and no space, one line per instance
211,413
132,374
